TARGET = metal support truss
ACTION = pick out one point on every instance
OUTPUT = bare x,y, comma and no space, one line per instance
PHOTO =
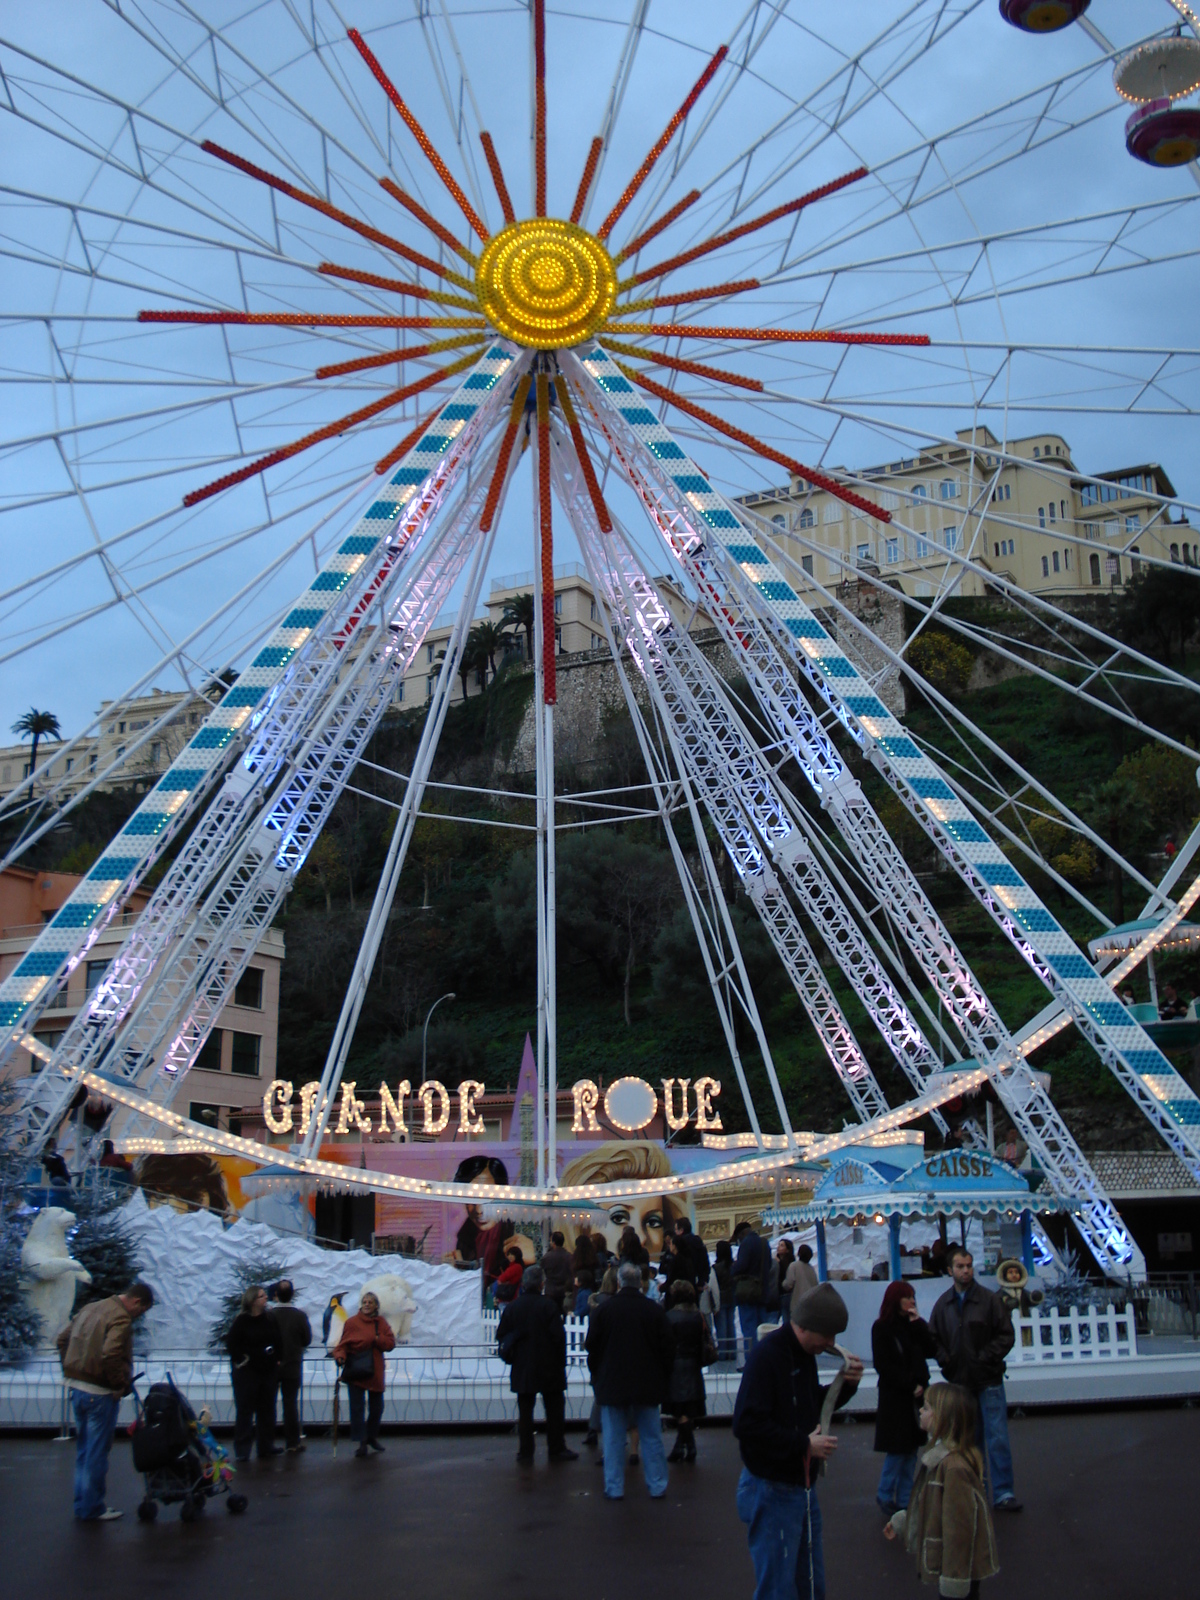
180,995
685,509
271,702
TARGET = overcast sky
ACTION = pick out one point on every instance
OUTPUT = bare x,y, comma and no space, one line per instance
111,207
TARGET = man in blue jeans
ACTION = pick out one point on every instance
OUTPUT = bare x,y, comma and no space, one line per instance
776,1421
974,1333
751,1270
630,1354
96,1350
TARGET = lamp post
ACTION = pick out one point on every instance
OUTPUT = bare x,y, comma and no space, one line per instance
425,1030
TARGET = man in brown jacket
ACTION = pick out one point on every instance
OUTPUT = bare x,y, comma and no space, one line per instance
96,1350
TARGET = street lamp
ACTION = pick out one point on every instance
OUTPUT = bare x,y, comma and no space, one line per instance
425,1030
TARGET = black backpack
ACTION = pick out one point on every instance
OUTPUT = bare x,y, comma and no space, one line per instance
161,1434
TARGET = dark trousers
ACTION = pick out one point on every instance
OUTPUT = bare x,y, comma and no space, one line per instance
364,1401
254,1416
555,1402
290,1380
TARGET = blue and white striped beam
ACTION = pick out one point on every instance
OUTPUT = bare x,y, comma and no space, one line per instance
1050,950
323,606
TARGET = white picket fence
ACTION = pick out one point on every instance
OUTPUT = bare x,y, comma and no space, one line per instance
1074,1335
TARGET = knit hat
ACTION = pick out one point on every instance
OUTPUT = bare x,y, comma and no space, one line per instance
822,1310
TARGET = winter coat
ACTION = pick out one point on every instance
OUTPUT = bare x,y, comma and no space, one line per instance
366,1333
948,1525
972,1340
96,1347
724,1272
630,1351
778,1406
295,1336
537,1344
898,1350
685,1390
799,1278
693,1259
751,1270
560,1272
254,1343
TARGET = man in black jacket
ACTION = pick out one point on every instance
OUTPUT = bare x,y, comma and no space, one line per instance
531,1338
295,1336
776,1421
751,1271
559,1270
694,1251
974,1333
630,1354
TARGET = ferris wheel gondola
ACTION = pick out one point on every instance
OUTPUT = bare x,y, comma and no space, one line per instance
1042,16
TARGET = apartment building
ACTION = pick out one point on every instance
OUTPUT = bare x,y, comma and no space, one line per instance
240,1056
1028,518
144,734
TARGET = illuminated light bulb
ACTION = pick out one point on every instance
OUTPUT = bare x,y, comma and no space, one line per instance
546,284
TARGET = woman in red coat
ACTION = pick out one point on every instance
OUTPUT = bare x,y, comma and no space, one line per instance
365,1334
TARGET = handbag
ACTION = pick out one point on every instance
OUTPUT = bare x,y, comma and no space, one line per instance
358,1367
708,1348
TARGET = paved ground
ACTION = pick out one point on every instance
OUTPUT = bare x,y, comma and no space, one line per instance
1111,1511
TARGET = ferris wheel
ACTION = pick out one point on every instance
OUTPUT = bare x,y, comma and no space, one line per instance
296,292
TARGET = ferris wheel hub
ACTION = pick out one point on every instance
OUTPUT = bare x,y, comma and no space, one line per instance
546,284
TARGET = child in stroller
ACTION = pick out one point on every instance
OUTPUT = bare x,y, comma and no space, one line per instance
176,1453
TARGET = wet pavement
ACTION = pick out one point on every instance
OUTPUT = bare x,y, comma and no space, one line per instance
1111,1501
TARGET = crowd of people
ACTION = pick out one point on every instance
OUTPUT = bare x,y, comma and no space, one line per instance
651,1333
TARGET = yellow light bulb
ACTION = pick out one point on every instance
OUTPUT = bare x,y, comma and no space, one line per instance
545,284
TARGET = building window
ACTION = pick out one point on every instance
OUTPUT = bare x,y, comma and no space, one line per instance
249,991
950,536
210,1116
400,692
1135,566
1041,516
557,640
120,752
1004,491
1045,567
1036,452
1132,523
807,520
919,491
1050,508
209,1059
120,727
1054,558
193,718
95,971
1067,560
429,654
247,1048
92,760
593,613
1174,552
920,549
155,753
558,605
863,552
1094,570
779,521
996,547
70,762
1062,509
948,489
806,563
597,642
832,512
893,551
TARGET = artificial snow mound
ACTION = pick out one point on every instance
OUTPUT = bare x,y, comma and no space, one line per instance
188,1260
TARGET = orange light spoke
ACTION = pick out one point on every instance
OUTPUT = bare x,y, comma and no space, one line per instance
668,133
585,460
585,182
711,293
430,221
417,131
315,203
693,330
515,413
539,118
747,227
415,291
363,414
696,369
652,232
497,172
549,683
819,480
367,363
304,319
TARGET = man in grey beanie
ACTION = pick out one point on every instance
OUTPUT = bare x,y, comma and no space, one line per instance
776,1421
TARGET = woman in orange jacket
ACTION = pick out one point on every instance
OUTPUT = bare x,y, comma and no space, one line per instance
359,1353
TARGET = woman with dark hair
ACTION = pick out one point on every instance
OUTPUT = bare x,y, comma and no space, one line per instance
472,1239
685,1390
724,1315
509,1281
253,1342
583,1258
631,1248
900,1345
780,1267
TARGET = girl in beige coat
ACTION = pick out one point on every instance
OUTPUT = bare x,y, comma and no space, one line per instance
948,1525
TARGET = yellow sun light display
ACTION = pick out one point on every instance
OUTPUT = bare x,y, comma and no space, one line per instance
546,284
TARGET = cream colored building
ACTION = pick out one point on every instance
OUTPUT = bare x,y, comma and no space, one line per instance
1029,519
240,1056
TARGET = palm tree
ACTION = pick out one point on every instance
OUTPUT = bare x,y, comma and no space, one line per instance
489,637
518,614
37,725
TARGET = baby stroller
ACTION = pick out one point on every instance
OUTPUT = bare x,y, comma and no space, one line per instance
175,1451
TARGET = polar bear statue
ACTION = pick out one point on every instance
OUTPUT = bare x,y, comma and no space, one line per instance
49,1273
